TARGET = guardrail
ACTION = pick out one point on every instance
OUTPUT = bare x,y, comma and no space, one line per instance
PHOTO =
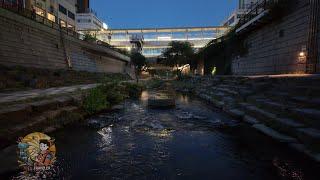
255,9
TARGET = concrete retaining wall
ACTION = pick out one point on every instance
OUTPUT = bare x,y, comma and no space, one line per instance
24,42
272,53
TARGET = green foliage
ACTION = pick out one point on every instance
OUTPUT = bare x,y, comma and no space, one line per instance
89,37
95,101
108,94
138,60
179,53
133,90
219,53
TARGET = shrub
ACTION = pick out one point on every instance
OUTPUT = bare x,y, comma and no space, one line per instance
133,90
95,101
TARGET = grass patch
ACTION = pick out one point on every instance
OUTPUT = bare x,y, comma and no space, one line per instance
109,94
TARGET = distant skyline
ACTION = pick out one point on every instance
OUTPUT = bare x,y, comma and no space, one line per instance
162,13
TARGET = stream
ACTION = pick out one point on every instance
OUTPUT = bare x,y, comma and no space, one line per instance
192,141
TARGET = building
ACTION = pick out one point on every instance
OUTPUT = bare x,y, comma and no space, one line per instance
86,18
83,6
154,41
88,21
243,7
59,11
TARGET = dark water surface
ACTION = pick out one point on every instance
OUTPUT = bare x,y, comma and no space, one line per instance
139,143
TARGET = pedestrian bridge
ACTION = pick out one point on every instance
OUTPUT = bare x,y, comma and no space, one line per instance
155,40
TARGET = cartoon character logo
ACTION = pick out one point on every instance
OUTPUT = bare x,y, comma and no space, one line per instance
36,152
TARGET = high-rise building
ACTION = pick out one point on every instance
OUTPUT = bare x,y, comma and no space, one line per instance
83,6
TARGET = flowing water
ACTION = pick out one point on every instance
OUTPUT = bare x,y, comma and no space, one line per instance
192,141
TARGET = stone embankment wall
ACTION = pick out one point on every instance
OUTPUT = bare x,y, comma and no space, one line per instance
24,42
275,47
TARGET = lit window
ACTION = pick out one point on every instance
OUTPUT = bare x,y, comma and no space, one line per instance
51,17
63,23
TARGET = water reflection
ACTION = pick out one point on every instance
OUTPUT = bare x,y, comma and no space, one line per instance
182,143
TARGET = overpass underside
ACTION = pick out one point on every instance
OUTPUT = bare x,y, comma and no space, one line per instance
157,40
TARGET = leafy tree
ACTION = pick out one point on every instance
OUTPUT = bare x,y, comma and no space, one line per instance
138,61
179,53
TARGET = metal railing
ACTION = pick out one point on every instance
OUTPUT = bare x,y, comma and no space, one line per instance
256,9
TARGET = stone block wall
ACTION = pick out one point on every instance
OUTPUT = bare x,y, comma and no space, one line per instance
24,42
274,48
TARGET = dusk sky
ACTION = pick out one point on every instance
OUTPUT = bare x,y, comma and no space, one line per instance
162,13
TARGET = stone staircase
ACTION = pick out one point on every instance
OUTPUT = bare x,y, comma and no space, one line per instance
284,108
38,116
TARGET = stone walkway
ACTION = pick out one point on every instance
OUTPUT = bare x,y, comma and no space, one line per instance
36,93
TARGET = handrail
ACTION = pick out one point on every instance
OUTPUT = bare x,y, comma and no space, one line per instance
255,9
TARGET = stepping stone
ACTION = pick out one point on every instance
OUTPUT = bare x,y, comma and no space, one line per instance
273,134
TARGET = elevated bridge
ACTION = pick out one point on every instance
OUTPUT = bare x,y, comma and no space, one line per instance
155,40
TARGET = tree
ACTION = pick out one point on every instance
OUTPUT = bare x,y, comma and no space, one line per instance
138,61
179,53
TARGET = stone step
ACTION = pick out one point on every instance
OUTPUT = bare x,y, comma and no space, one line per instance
310,137
250,120
36,123
227,91
274,134
303,149
306,101
267,104
235,113
307,115
14,114
284,125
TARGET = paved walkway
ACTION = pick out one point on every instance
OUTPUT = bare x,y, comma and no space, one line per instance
23,95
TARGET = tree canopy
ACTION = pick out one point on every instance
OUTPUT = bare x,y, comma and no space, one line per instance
138,60
179,53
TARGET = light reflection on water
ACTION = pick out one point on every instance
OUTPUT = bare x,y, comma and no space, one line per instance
155,144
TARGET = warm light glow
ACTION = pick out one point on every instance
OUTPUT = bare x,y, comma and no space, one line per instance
302,54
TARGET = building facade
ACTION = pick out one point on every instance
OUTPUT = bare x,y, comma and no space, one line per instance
243,7
88,21
60,11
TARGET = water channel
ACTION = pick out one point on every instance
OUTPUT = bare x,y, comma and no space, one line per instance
192,141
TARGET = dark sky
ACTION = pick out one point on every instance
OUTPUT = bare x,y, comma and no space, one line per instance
162,13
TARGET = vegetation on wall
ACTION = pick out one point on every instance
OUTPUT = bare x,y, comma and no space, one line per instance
90,38
219,53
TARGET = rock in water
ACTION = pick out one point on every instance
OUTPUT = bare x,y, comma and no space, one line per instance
161,101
